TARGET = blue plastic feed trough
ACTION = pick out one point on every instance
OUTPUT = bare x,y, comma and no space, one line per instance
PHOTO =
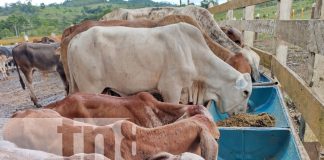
259,143
263,99
264,78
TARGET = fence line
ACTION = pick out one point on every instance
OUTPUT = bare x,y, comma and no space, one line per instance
308,34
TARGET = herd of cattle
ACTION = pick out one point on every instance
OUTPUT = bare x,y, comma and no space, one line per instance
179,55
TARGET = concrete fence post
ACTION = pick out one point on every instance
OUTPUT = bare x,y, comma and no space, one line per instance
249,15
284,8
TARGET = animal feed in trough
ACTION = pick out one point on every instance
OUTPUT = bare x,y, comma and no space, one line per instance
248,120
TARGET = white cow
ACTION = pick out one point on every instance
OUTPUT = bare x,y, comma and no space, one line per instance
204,19
167,58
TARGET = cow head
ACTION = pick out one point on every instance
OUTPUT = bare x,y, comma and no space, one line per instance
233,96
234,34
254,61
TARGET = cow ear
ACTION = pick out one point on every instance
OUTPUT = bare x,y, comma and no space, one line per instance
247,76
241,82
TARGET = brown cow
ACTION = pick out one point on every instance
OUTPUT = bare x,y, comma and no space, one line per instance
9,151
142,108
122,139
236,60
45,40
234,34
30,56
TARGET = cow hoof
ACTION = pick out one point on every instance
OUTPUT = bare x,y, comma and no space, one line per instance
38,106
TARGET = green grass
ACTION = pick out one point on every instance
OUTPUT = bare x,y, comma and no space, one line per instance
269,12
3,17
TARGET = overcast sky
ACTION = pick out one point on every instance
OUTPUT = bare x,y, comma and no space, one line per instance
37,2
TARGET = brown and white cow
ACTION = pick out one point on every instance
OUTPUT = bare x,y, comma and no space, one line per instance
142,109
122,139
30,56
167,59
204,19
5,59
234,34
3,70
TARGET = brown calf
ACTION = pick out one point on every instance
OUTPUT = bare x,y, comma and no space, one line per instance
122,139
142,109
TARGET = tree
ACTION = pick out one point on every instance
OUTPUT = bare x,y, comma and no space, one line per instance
42,5
5,33
18,23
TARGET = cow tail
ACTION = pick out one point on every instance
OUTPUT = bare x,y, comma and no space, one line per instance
20,79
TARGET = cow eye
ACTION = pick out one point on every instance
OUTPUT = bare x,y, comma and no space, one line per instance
238,42
246,93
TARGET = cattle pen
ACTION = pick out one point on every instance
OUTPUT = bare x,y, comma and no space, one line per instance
307,34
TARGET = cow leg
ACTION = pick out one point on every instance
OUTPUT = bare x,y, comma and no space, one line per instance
60,71
45,75
28,74
4,74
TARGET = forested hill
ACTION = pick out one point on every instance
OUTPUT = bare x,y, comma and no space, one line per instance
19,18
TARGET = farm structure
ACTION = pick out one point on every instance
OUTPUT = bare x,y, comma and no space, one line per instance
307,93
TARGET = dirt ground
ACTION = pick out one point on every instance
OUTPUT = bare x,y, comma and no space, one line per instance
296,61
13,97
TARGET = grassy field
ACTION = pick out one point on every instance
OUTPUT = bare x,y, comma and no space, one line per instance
14,40
268,10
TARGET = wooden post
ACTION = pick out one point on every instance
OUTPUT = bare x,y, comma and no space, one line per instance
322,10
316,67
313,11
315,61
249,15
256,33
230,15
319,10
284,8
